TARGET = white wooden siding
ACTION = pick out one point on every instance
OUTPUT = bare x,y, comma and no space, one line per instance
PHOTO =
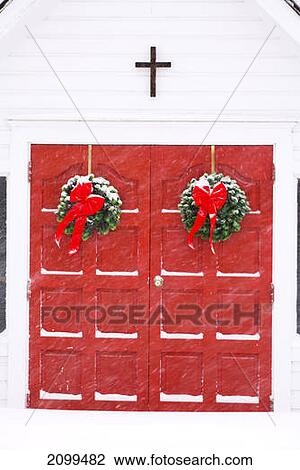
93,46
3,374
296,378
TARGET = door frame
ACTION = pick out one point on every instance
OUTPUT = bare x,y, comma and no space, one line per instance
24,133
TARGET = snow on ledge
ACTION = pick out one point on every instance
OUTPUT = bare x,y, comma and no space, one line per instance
59,396
60,334
100,334
181,397
164,272
49,210
116,273
170,211
236,399
165,335
62,273
255,337
130,211
220,274
114,397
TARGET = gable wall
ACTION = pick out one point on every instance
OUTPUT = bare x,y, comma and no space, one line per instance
93,45
3,375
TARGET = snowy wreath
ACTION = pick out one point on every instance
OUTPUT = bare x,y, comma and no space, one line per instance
87,204
213,207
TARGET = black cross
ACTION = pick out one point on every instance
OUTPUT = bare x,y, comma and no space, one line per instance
153,65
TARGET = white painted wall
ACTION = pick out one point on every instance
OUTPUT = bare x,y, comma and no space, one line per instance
93,45
296,378
3,374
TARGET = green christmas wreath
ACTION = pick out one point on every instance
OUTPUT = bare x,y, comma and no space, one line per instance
229,217
104,220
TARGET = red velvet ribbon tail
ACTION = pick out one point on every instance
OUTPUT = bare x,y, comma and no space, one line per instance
77,235
201,216
213,218
64,223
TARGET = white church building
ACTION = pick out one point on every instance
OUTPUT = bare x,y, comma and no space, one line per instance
149,94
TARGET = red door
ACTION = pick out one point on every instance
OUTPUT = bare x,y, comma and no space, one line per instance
201,340
212,349
75,361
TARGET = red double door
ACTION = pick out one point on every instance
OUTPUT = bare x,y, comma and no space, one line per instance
103,336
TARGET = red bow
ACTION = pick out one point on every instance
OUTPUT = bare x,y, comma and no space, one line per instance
87,204
209,201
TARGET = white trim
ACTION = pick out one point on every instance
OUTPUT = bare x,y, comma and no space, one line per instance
284,269
13,13
283,15
17,274
14,18
137,133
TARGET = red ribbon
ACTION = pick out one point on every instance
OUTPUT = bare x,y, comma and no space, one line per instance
86,204
209,200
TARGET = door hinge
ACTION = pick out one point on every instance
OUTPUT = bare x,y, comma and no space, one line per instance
272,293
273,173
28,289
29,171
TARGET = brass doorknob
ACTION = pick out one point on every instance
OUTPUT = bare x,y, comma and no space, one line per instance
158,281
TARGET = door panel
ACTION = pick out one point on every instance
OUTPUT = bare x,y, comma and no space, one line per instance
202,341
79,356
211,351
